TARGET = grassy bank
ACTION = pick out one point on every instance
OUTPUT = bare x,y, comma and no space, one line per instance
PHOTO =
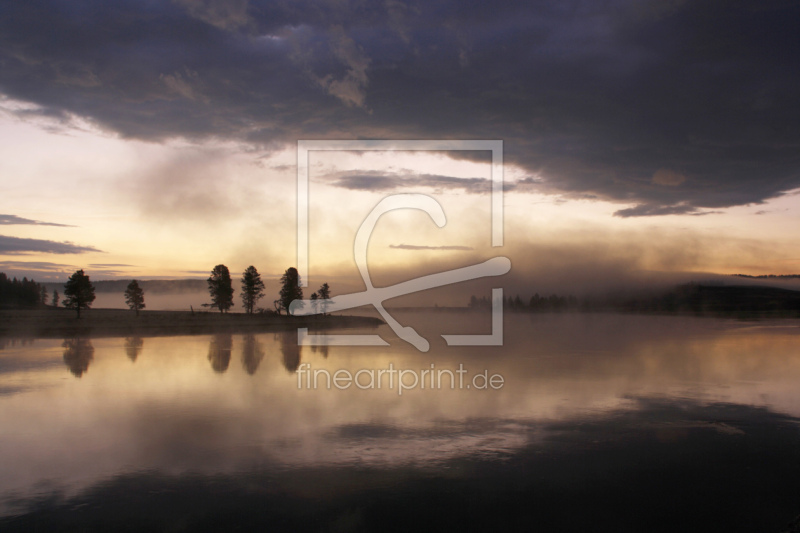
59,323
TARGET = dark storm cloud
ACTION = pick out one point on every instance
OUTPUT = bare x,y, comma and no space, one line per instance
20,246
8,220
673,105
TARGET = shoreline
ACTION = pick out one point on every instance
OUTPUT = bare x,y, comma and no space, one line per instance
61,323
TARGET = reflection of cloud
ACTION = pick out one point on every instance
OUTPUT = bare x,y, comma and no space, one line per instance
22,246
587,382
6,220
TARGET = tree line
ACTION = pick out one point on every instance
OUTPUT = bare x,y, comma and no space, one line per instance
553,302
79,292
21,293
220,289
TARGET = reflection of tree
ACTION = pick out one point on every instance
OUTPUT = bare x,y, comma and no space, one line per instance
322,349
133,347
78,353
219,351
23,341
252,353
290,350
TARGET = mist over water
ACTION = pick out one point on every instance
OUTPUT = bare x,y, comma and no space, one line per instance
159,301
593,408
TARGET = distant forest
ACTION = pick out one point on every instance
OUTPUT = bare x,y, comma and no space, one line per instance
536,303
20,293
164,286
769,276
692,298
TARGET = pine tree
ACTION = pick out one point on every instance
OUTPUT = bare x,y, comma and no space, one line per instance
290,288
134,296
220,288
252,288
79,292
324,295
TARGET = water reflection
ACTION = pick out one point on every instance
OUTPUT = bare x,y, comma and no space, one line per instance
133,347
78,353
252,353
219,351
589,402
12,342
290,350
323,350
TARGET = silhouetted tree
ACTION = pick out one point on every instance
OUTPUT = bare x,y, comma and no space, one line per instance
290,288
324,295
55,298
252,289
78,353
134,296
314,302
133,347
220,288
79,292
219,352
252,353
43,293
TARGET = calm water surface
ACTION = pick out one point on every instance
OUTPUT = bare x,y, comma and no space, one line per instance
603,423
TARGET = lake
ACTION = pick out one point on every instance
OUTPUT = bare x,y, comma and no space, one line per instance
580,422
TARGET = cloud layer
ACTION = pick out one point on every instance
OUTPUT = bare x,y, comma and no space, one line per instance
9,220
22,246
674,107
421,247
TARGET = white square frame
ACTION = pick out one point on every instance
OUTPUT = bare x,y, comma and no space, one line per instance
304,147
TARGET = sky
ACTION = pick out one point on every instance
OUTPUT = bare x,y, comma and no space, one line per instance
156,139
